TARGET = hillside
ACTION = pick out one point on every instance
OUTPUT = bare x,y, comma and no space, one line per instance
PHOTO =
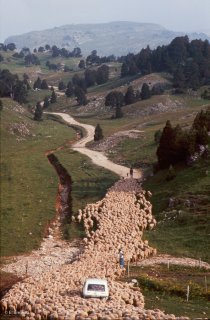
117,38
30,197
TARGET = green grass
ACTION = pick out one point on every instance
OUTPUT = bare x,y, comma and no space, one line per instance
138,152
182,231
198,308
36,96
165,289
29,182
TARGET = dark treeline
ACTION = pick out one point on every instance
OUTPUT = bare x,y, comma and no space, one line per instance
11,86
116,99
7,47
177,145
188,62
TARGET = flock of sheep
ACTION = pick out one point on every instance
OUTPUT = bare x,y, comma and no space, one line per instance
116,222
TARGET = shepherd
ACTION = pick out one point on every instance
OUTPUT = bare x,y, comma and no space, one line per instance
122,262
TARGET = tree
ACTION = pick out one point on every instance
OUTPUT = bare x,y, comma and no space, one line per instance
164,148
61,86
37,83
93,58
102,74
81,64
90,77
175,146
80,95
11,86
11,46
202,120
157,89
192,75
98,133
76,52
38,112
114,99
47,47
46,102
41,49
130,96
124,70
179,78
31,59
202,137
44,85
145,91
20,91
53,98
55,51
133,69
70,90
118,112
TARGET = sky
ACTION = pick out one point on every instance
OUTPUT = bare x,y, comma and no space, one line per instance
21,16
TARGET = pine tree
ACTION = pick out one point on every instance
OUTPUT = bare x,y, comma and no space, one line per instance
130,96
80,95
61,86
69,90
53,98
44,85
81,64
46,102
145,91
164,148
124,70
38,112
98,133
118,112
37,83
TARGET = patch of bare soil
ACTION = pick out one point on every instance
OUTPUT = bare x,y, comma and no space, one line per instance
52,254
165,259
109,143
20,130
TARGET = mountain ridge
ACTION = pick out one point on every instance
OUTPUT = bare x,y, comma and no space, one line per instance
117,37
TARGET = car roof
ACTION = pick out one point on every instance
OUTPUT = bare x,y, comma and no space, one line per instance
96,281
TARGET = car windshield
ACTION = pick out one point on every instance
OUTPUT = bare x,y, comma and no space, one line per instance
96,287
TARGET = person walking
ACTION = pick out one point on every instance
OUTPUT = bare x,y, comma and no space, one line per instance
122,262
131,172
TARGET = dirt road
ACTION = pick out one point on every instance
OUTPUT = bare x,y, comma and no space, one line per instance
97,157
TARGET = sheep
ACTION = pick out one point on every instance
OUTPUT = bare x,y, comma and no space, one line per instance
121,218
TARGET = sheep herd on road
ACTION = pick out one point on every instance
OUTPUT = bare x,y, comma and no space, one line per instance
113,223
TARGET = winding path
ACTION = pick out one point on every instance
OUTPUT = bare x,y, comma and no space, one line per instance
97,157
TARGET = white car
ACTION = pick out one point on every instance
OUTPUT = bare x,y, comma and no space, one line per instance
95,288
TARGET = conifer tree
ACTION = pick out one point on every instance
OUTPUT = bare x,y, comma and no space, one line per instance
38,112
145,92
98,133
130,96
53,98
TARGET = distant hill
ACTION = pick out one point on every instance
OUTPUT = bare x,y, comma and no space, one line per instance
117,38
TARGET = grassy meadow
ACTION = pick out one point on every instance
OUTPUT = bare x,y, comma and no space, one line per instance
29,183
165,289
